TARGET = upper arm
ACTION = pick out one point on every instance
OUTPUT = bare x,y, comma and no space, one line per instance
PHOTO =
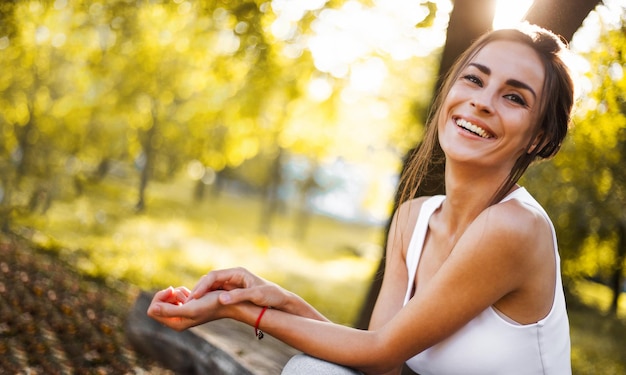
394,285
488,262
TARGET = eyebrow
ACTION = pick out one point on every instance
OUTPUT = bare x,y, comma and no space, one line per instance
510,82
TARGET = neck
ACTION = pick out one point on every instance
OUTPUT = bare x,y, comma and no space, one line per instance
468,193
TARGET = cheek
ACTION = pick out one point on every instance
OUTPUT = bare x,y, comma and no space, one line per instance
455,95
526,137
442,127
449,103
521,123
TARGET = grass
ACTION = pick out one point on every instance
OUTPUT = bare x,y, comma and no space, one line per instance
598,340
177,240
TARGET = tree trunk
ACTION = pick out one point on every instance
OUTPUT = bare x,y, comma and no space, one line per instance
146,170
144,177
303,215
22,134
618,271
469,19
562,17
198,191
272,200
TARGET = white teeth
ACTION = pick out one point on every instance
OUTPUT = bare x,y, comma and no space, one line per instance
472,128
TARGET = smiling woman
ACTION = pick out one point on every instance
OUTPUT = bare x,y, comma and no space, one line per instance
472,280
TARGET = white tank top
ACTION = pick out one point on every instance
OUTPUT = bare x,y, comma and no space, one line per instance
491,343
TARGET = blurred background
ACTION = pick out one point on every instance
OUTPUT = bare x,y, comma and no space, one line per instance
149,142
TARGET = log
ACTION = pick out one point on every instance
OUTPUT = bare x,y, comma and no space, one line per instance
220,347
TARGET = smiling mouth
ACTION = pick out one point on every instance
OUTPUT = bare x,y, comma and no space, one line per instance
474,129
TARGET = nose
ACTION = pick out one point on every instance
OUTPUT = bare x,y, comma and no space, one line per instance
482,101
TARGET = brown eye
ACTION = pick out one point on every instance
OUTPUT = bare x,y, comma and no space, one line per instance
516,99
473,79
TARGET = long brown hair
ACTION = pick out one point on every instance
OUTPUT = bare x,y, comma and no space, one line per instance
553,120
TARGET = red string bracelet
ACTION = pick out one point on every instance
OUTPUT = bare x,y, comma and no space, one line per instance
257,332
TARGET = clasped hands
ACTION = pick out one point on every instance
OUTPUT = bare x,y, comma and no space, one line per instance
219,294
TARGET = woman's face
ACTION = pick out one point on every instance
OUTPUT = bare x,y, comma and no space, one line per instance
490,112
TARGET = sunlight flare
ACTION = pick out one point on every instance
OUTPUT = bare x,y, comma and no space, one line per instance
510,12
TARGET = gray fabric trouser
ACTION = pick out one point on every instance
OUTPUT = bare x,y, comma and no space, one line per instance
303,364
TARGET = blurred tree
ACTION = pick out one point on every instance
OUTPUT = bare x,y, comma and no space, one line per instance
7,142
39,88
162,80
252,118
165,85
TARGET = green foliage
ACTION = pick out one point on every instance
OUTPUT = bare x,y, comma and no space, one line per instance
584,188
165,83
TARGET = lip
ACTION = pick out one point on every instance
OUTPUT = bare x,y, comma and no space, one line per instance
476,122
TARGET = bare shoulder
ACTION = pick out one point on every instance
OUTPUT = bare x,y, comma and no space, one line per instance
404,221
406,215
516,217
519,228
410,209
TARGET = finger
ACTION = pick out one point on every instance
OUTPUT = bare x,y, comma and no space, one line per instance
201,288
220,279
207,283
165,295
155,310
254,295
180,294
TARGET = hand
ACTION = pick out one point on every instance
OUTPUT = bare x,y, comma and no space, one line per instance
172,308
238,285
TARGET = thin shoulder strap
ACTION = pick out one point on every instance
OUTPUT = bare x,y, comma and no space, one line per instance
416,244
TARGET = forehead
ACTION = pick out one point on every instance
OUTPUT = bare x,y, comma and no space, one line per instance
512,60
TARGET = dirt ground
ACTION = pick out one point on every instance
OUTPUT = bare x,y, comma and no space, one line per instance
55,321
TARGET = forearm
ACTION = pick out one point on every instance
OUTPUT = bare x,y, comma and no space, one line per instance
240,285
360,349
296,305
